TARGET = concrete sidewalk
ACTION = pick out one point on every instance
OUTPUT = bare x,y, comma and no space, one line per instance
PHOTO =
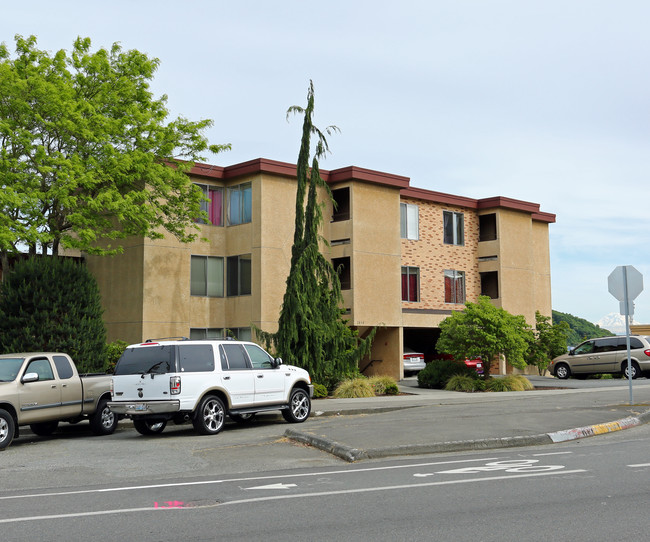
429,421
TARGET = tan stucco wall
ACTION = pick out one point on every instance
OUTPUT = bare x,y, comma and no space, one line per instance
146,291
386,354
375,255
121,283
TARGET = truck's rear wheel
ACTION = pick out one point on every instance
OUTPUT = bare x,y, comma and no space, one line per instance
149,427
103,421
7,428
44,429
210,416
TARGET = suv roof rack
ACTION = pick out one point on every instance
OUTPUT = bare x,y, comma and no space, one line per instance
168,339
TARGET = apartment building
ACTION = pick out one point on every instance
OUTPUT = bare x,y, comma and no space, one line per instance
407,258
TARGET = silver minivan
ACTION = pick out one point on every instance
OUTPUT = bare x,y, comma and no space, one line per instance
604,355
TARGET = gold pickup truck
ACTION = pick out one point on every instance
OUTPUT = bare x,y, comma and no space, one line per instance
41,389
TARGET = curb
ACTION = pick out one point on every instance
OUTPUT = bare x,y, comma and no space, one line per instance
351,455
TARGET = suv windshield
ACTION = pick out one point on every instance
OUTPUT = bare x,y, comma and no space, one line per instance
149,359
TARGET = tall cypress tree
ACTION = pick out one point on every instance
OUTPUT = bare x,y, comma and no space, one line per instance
311,331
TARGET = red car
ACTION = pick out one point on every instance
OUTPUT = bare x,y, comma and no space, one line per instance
476,364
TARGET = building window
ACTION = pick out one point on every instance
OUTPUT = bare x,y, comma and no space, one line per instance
409,221
238,275
212,204
239,333
454,228
206,276
490,284
487,225
199,333
240,202
341,197
342,268
454,286
410,284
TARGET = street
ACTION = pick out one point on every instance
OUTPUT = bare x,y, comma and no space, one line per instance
591,489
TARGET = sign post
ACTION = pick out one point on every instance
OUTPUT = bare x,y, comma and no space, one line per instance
625,284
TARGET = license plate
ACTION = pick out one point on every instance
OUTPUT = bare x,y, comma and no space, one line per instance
140,406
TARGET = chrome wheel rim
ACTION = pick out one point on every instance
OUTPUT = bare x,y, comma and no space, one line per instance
108,418
300,406
213,415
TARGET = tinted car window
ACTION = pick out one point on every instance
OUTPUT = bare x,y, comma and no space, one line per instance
196,358
635,343
42,367
584,348
63,367
148,359
259,358
236,357
605,345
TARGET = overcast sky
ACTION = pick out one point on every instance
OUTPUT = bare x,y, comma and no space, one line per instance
544,101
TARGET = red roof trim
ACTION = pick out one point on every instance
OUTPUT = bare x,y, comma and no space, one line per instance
439,197
354,173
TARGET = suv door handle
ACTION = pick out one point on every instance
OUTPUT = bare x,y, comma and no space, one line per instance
226,378
260,376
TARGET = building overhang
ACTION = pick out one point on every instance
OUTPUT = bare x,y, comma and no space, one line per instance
357,174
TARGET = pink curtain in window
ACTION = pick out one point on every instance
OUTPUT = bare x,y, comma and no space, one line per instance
216,207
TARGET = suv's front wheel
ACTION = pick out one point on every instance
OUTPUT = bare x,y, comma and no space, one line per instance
210,416
299,406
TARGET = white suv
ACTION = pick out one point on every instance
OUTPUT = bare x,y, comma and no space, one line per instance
202,382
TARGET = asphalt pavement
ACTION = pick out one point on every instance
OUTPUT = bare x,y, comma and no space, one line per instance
421,421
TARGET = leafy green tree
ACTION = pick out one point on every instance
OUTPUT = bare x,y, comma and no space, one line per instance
547,341
52,304
311,331
580,329
484,330
87,156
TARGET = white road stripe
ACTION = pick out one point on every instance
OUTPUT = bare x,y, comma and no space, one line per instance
297,496
640,465
249,479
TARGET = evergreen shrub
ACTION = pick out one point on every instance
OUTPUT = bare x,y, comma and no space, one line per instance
52,304
438,372
114,351
320,390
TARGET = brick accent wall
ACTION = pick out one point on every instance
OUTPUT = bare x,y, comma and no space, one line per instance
432,256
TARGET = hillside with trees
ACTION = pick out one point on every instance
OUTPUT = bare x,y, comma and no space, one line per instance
580,329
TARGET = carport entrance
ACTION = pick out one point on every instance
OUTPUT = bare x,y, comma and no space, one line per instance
422,339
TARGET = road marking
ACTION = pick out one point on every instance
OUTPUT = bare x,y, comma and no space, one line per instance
516,465
249,479
389,488
294,496
640,465
84,514
272,486
551,453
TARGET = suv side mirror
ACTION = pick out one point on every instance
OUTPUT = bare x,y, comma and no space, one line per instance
277,362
